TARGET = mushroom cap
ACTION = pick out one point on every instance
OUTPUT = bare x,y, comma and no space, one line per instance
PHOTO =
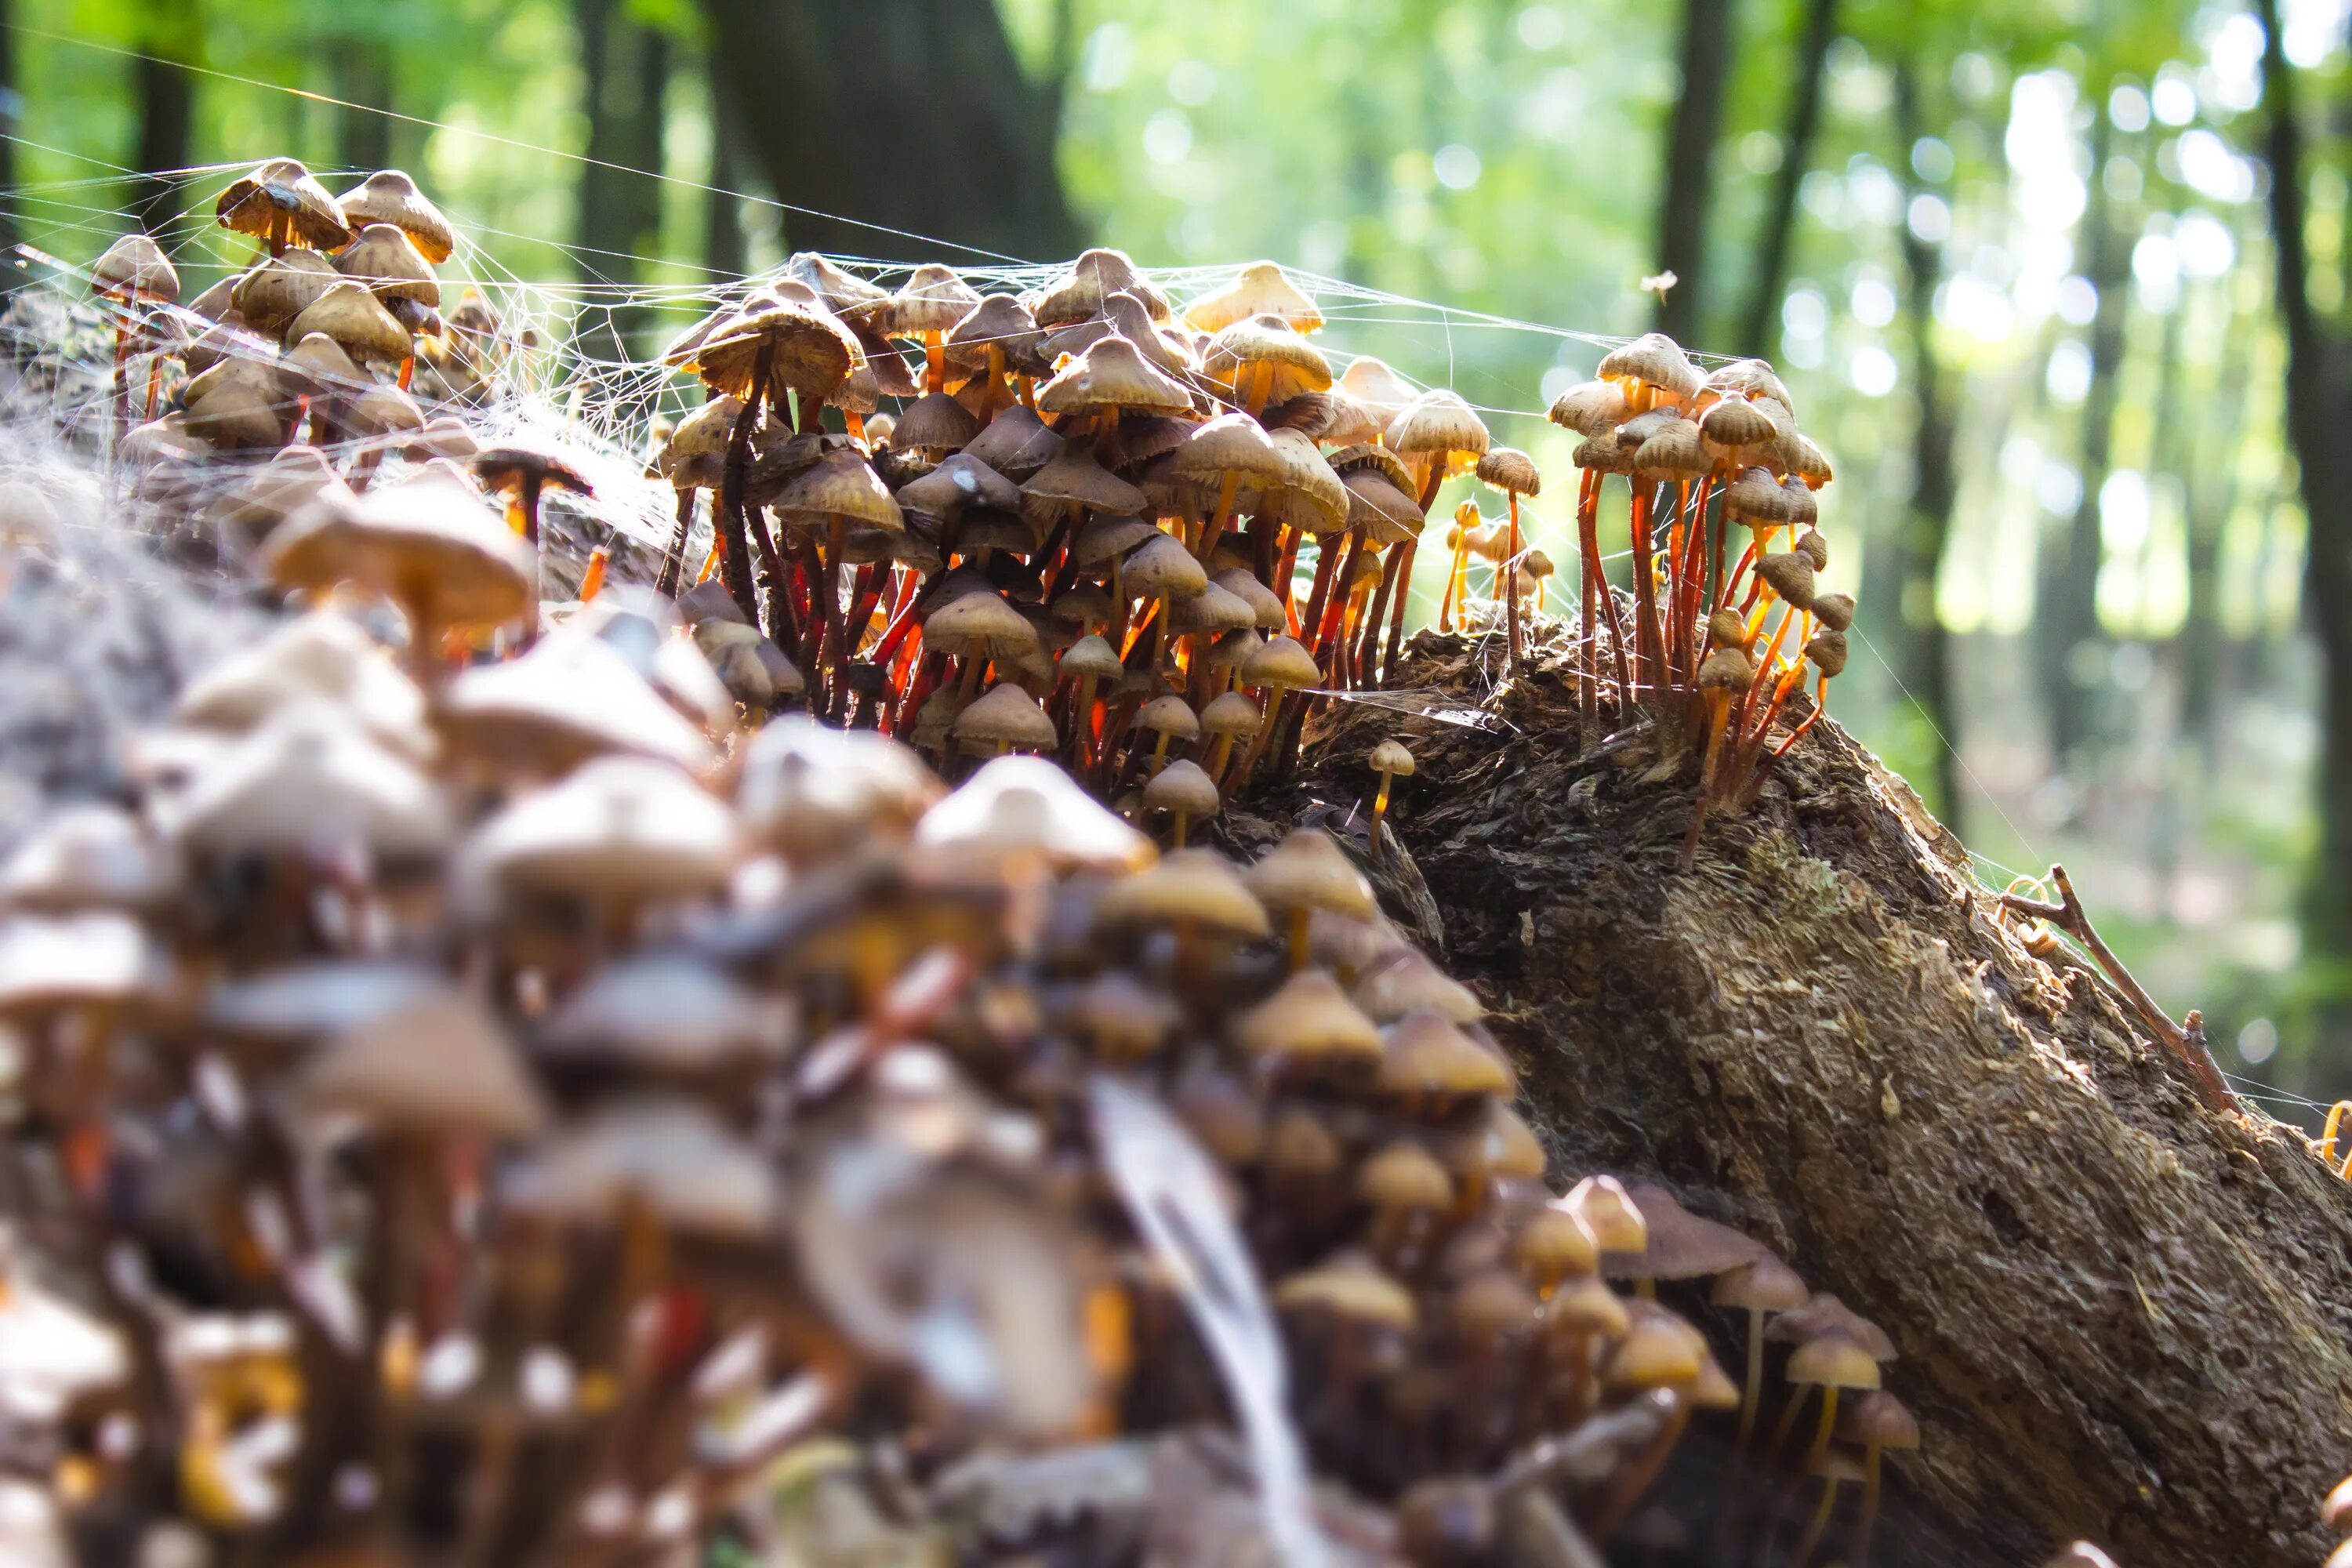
1553,1244
1426,1053
1262,289
1658,1351
241,412
1170,715
1005,715
999,321
1107,538
1674,449
1803,510
674,1158
1308,1022
1440,425
1266,609
429,544
1228,713
1789,574
572,696
321,656
275,290
438,1063
1680,1245
1029,806
506,466
1609,1212
281,191
1092,656
810,353
1590,407
1734,422
1510,470
662,1013
980,625
1267,344
385,261
309,777
1348,1285
1194,886
87,857
1391,757
1586,1306
1092,279
1766,1284
1113,373
1491,1304
816,793
1074,478
1827,649
1833,1359
617,829
1183,786
1283,664
1655,360
96,957
1231,444
1834,611
1499,1145
1602,453
1756,498
936,423
381,410
1835,1465
1404,1176
1161,567
844,294
1377,387
357,321
390,196
1300,1143
293,1006
1404,979
135,267
1825,1313
841,486
1309,870
1878,1418
932,299
1387,514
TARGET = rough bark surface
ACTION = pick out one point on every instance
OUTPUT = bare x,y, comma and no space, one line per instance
2120,1317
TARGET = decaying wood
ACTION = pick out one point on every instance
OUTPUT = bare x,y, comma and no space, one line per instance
2122,1315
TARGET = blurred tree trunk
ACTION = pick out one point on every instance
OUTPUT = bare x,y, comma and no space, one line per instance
2067,608
904,129
723,248
1926,653
625,81
1691,133
2319,412
2208,495
363,76
1771,277
167,95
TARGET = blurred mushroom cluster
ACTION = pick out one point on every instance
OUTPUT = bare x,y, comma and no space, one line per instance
698,1064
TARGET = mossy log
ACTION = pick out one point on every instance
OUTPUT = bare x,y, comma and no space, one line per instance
2121,1315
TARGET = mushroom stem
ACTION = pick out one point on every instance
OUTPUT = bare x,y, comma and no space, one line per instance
935,364
1159,761
407,370
1300,916
1871,1461
1751,1393
1828,1422
1817,1524
736,556
1637,1478
674,558
1181,817
832,656
1396,617
1210,535
592,578
1368,647
1510,572
1453,581
1380,811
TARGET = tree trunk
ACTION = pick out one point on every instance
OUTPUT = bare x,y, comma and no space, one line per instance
1766,283
2067,612
1927,655
167,106
2208,495
2318,410
723,248
896,129
364,77
1691,132
624,79
2120,1315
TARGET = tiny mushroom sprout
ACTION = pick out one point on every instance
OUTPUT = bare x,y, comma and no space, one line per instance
1833,1468
1391,762
1831,1361
132,275
1758,1288
1876,1422
1514,473
1005,717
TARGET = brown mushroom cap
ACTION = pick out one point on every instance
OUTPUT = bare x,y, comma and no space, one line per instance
980,625
1191,887
1027,807
1170,715
1763,1285
1267,343
676,1159
1005,715
810,353
1440,426
1425,1053
1735,422
572,696
1113,373
937,423
1283,664
1658,1351
274,291
1609,1212
1074,478
310,778
932,299
816,793
281,193
356,321
1832,1359
390,196
664,1014
1404,1176
430,544
618,830
135,267
1308,1025
437,1065
1352,1287
1405,980
1183,786
386,262
1590,407
1002,322
1680,1245
1510,470
1262,289
1553,1244
87,857
1826,1314
1391,757
1309,870
840,486
1588,1306
1878,1418
1092,279
1653,360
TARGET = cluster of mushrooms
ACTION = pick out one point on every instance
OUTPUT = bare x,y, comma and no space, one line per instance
695,1064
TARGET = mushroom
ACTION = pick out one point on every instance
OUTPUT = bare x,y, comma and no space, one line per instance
131,274
1391,762
1006,717
280,203
1878,1421
1168,719
1676,1244
1184,791
1306,872
1307,1030
1833,1468
1514,473
1762,1286
390,196
1831,1361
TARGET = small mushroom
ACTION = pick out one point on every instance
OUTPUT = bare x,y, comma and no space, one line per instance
1391,762
1878,1421
1185,791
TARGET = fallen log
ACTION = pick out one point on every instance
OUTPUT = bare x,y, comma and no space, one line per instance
2121,1314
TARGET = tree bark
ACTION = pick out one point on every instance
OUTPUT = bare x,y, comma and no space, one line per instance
1756,335
2318,410
2208,481
2068,608
2120,1315
1686,195
1926,653
902,130
363,76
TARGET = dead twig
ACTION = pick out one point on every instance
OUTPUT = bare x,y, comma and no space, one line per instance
2187,1039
